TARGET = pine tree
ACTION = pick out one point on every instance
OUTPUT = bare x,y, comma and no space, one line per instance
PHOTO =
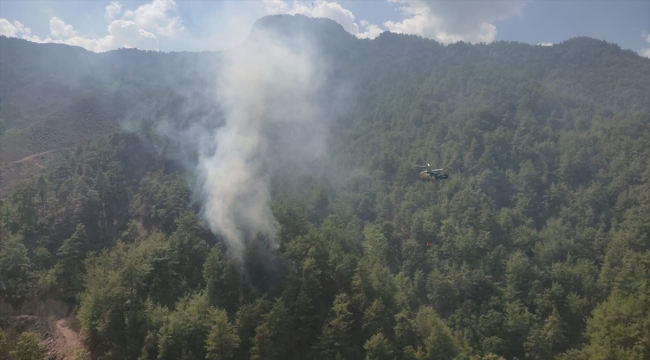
28,347
222,340
379,348
335,336
70,269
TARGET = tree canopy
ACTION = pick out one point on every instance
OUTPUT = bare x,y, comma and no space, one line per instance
536,247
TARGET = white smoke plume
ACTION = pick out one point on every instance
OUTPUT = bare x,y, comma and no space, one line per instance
268,91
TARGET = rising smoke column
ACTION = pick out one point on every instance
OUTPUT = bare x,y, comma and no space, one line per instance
268,91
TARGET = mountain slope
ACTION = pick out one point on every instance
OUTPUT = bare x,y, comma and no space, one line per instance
50,85
537,246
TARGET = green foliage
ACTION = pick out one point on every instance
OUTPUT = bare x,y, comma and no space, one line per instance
221,277
4,345
536,247
619,329
378,348
69,269
335,336
273,337
114,313
16,276
28,347
436,338
160,200
185,329
222,340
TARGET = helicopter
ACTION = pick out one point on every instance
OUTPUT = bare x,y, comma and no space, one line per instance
431,174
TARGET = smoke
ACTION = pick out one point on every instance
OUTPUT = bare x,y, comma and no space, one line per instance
268,90
237,118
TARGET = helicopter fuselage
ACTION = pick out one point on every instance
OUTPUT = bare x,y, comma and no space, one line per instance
432,175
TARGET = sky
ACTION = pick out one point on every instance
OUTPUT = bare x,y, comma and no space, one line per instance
193,25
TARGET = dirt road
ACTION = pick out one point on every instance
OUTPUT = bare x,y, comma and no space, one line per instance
66,343
37,155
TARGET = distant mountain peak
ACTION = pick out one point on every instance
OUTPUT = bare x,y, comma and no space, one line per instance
300,25
583,41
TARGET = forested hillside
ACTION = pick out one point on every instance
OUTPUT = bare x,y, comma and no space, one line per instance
536,247
48,87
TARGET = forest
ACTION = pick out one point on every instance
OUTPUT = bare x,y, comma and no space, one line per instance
536,247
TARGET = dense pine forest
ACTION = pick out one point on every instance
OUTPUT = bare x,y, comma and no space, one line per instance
536,247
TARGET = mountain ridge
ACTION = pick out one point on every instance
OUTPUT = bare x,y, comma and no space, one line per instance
39,81
534,247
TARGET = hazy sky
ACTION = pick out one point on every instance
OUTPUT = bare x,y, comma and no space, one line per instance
193,25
